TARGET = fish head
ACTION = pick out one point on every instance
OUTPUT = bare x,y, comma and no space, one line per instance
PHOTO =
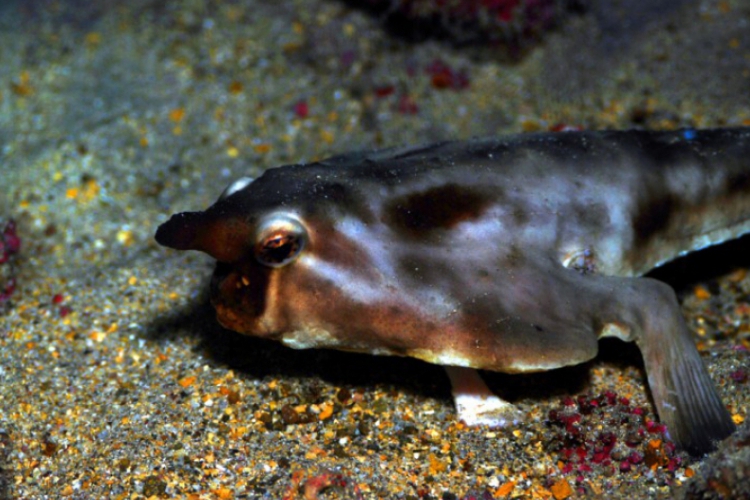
294,259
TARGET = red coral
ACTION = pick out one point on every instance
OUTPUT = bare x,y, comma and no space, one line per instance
739,376
10,244
407,105
301,109
582,447
445,77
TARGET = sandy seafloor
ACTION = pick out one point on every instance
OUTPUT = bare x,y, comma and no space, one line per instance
116,381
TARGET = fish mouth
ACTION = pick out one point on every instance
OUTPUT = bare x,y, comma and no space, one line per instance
239,299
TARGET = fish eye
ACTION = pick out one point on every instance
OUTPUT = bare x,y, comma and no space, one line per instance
280,239
235,186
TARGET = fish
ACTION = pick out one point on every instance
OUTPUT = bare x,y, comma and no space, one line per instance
513,254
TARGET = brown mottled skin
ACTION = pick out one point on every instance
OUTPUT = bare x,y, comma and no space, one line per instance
512,254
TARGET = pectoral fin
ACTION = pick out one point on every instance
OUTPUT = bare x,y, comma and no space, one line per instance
685,396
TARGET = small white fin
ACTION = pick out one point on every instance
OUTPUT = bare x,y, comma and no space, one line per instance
476,404
235,186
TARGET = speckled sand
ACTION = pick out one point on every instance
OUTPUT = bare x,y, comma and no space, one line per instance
115,380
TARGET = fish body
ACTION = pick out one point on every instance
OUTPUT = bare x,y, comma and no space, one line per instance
512,254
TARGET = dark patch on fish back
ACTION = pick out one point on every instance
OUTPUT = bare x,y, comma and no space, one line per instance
654,216
437,208
738,182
